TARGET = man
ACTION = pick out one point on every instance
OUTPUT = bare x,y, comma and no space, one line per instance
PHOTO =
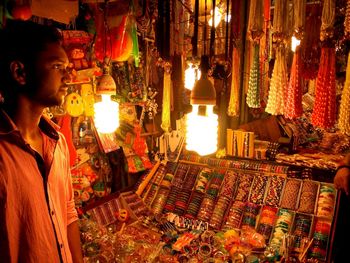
341,240
38,220
342,176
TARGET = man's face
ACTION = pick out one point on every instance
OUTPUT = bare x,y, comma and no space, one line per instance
48,82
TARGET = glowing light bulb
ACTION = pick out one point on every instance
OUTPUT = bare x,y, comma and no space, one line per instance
202,131
106,115
295,43
192,74
218,17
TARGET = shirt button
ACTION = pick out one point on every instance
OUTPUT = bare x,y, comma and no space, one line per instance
61,245
52,212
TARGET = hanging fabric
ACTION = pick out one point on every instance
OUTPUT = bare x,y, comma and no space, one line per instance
278,85
166,125
324,111
293,105
344,109
253,94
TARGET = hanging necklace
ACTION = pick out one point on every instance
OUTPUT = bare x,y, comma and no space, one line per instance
344,109
328,16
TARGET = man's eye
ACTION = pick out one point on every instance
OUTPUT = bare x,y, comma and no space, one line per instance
57,66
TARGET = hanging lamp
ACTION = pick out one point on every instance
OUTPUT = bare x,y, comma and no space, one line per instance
202,123
106,111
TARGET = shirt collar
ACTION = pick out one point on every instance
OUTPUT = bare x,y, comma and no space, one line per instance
48,127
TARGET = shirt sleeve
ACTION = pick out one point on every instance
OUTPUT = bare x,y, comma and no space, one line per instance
4,240
72,214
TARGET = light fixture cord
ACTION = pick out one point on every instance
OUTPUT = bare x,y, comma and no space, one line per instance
107,33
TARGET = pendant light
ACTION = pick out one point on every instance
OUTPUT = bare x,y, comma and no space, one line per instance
202,123
106,111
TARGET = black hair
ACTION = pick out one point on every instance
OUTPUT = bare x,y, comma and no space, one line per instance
22,41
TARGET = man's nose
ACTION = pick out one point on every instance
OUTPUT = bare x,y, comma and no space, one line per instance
68,77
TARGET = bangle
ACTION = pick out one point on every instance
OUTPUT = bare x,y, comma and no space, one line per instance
342,166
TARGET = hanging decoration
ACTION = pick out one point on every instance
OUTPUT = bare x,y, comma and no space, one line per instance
253,95
233,105
255,32
280,22
223,74
166,124
347,19
279,79
324,111
293,105
328,16
265,49
233,108
256,20
344,109
121,42
135,42
299,18
310,46
299,8
278,85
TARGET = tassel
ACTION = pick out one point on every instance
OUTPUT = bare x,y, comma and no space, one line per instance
324,114
253,95
278,86
293,106
166,126
233,106
344,110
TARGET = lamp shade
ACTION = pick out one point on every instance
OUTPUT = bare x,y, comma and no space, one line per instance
106,85
203,92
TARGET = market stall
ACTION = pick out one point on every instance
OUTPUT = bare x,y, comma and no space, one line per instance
204,131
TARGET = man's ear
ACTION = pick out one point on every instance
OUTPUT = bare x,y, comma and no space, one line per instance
18,72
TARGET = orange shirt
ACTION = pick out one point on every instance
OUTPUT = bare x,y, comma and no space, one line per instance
36,196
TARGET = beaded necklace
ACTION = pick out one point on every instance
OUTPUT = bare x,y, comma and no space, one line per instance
344,110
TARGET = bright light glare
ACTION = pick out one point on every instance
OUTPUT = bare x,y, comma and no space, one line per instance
202,131
106,115
192,74
218,16
295,43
